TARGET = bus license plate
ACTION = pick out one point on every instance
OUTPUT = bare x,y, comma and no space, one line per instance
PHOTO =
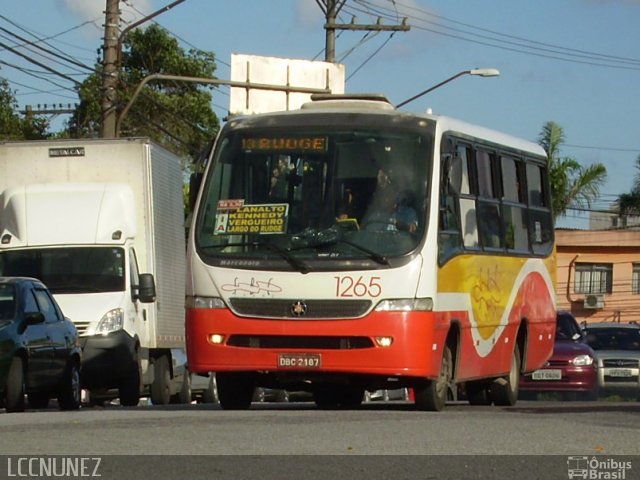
620,372
299,360
550,374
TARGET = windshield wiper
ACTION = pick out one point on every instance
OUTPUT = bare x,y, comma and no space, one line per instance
291,260
332,236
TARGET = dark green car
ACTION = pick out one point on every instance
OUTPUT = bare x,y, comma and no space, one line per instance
40,355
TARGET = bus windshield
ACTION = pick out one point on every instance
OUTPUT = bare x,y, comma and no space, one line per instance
311,194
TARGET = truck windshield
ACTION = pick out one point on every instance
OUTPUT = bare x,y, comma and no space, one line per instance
70,269
311,194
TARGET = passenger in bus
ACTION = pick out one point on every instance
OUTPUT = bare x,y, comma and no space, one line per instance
390,209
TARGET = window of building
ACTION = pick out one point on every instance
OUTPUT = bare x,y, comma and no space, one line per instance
594,278
635,279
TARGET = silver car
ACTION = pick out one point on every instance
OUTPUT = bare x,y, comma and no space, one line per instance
617,349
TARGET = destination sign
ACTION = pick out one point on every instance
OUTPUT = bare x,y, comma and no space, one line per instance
258,219
289,144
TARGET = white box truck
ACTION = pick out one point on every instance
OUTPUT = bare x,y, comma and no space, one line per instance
101,223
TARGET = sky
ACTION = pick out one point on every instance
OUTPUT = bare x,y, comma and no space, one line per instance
574,62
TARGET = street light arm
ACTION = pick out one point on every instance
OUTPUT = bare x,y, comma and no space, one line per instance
126,30
482,72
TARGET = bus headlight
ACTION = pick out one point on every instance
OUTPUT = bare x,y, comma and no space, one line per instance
204,302
405,305
112,321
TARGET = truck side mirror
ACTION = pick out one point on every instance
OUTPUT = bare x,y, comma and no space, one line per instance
146,288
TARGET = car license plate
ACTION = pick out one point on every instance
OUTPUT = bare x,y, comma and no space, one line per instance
620,372
299,360
550,374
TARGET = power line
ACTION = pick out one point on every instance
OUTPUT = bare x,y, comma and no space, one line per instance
522,45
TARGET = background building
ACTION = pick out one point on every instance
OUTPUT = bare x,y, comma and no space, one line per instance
598,277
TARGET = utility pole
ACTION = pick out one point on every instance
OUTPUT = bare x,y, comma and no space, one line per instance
110,69
331,8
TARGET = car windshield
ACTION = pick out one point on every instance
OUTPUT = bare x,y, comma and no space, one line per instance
7,302
567,328
614,338
315,193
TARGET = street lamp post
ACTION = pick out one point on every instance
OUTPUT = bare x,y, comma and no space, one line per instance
482,72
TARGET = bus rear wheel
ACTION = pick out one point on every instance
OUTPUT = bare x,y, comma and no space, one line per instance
504,390
431,395
235,390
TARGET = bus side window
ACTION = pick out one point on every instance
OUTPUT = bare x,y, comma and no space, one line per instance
469,222
449,232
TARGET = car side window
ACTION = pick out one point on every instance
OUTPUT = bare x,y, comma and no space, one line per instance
30,304
47,307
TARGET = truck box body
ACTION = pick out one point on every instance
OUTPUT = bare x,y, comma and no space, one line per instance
79,195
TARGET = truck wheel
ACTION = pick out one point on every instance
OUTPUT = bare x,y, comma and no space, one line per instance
431,395
235,390
14,390
161,386
504,390
70,391
129,391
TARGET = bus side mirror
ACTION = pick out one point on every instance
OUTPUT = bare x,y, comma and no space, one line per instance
194,185
146,288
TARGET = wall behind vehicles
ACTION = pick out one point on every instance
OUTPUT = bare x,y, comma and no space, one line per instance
155,176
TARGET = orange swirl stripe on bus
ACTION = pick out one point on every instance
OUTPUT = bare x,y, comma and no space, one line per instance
495,292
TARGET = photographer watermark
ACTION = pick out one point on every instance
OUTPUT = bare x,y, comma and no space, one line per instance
597,468
53,467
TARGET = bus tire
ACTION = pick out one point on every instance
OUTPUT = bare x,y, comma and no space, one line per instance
431,395
504,390
235,390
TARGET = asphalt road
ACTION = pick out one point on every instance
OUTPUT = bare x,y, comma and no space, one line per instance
383,430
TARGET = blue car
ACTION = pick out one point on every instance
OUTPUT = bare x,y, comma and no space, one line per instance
40,355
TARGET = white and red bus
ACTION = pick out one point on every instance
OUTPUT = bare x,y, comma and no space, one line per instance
296,281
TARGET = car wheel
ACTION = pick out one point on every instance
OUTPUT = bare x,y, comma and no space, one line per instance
504,390
14,390
160,388
70,390
38,399
431,395
129,391
235,390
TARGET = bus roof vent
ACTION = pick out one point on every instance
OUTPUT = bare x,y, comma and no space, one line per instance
369,101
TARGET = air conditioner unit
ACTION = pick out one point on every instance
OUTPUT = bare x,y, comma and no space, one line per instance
594,301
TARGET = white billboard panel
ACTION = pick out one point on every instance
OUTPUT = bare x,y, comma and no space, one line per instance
280,72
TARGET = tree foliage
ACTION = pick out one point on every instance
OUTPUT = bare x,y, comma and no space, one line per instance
12,125
177,115
572,185
629,203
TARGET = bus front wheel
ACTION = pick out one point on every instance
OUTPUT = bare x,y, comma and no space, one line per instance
431,395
